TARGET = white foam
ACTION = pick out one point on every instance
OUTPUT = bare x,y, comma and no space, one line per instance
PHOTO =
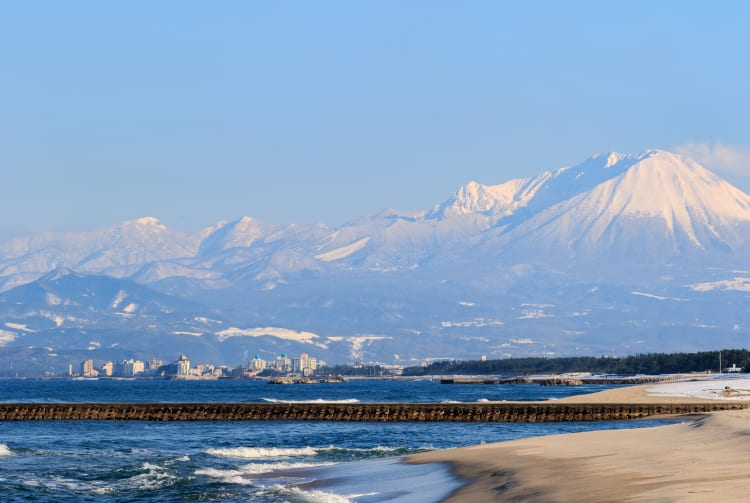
257,468
377,448
226,476
5,450
313,496
261,452
313,400
244,474
154,477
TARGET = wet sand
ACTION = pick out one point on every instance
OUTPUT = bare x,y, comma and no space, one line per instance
706,460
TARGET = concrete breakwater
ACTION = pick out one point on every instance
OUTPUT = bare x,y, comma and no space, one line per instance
560,379
375,412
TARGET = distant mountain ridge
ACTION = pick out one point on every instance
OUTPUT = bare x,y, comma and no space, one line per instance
653,222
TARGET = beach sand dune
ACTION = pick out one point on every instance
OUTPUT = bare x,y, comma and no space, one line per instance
706,460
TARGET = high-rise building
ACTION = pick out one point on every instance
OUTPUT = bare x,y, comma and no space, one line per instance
283,364
87,368
312,363
183,365
130,368
257,363
108,368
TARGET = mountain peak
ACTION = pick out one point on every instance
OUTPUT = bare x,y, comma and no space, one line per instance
147,221
240,233
494,200
655,200
151,224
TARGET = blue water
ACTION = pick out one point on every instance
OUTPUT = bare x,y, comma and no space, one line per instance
260,391
247,461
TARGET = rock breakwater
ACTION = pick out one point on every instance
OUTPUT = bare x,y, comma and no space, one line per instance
376,412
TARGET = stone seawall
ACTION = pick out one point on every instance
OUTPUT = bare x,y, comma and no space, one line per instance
463,412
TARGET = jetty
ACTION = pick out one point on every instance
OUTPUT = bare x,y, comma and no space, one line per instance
561,379
532,412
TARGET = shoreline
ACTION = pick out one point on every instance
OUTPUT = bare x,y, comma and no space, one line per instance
703,460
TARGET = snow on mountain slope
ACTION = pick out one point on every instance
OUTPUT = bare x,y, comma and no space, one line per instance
534,193
343,251
156,271
656,202
117,251
241,233
653,203
621,253
501,199
281,333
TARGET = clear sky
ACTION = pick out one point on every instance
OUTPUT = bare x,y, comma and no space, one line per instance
326,111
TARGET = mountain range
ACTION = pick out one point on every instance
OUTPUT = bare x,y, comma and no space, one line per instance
621,254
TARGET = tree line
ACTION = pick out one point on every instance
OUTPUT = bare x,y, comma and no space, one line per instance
651,363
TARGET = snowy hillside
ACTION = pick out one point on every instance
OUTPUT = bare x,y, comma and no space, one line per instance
656,202
621,253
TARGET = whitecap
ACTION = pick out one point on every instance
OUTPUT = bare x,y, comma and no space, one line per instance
261,452
377,448
312,400
257,468
5,450
226,476
244,474
312,495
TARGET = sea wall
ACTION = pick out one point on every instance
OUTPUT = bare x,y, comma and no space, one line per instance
459,412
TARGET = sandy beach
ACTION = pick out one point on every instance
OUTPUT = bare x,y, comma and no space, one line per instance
705,460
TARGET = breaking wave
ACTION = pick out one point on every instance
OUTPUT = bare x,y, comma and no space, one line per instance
261,452
243,474
314,400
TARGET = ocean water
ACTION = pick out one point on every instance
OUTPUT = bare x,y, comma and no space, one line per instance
248,461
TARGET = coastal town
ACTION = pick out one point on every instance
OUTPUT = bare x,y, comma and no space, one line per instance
303,365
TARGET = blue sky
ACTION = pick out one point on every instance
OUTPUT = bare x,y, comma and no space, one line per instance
326,111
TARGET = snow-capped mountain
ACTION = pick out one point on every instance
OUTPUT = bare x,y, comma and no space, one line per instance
116,251
656,202
612,255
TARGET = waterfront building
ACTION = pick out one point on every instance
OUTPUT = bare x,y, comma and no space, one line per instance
205,369
283,364
108,369
183,365
87,368
304,364
130,368
312,363
154,364
257,363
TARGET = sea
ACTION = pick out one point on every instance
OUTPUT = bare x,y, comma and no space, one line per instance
250,461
